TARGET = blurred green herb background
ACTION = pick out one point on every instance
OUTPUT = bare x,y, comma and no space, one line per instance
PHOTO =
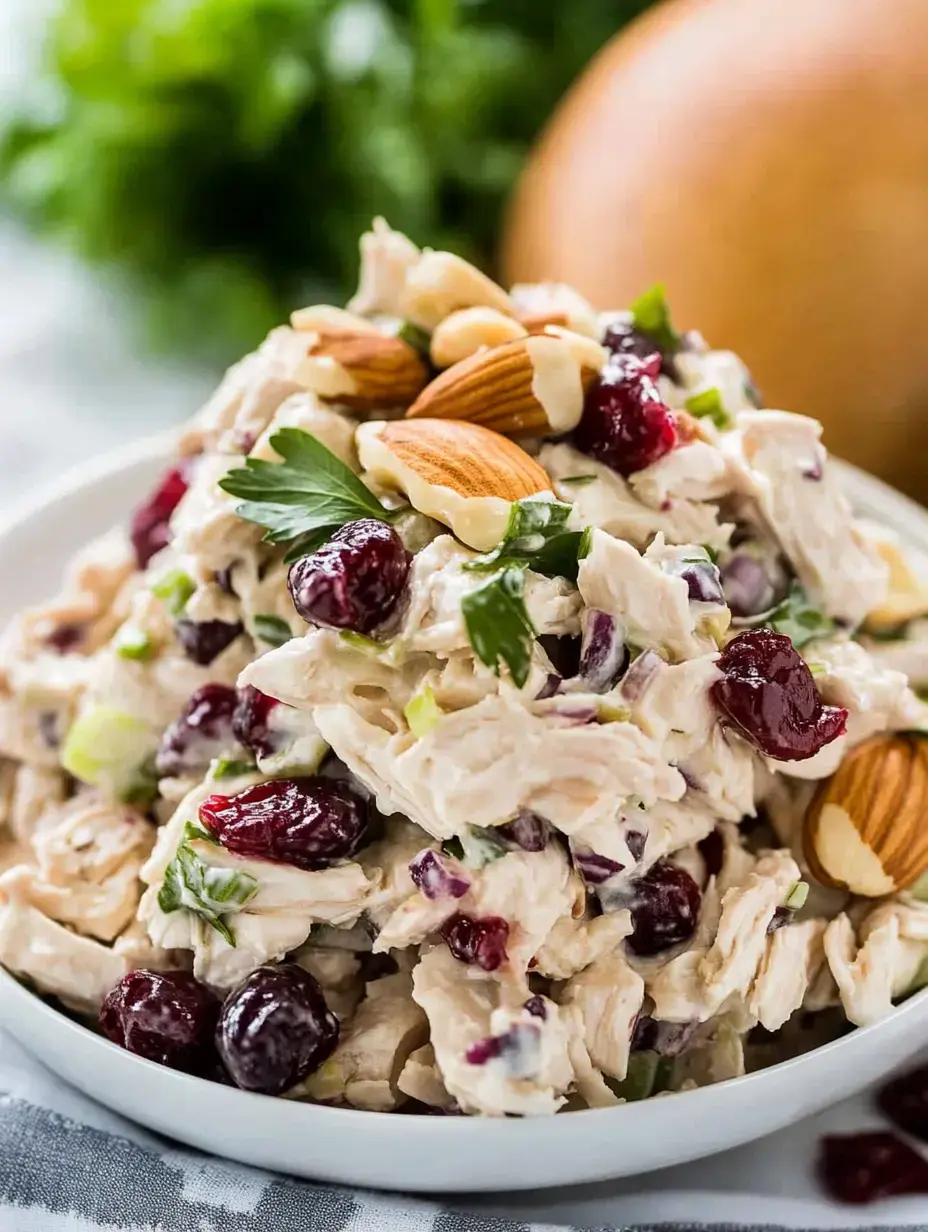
222,156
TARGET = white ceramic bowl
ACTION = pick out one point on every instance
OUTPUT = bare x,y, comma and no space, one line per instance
416,1153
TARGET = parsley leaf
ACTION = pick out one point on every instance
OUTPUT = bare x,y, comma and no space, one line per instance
709,405
535,538
271,629
498,624
305,498
192,884
651,315
798,619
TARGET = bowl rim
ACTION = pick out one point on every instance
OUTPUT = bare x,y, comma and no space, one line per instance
143,452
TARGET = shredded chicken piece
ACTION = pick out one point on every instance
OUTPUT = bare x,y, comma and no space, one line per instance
420,1080
865,975
387,256
482,765
609,996
793,955
572,945
365,1068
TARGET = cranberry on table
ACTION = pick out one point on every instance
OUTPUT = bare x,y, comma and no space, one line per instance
164,1016
251,720
665,909
150,529
202,731
769,695
355,581
306,822
861,1168
275,1029
205,640
477,941
624,423
905,1102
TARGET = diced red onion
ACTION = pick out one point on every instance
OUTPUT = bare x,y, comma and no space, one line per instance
436,876
749,588
640,674
703,582
603,655
551,685
526,830
594,868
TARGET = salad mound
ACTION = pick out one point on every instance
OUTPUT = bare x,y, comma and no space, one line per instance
492,710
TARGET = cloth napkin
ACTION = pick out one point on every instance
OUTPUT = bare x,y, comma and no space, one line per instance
69,1165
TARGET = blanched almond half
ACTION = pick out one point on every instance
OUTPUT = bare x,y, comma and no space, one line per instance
465,332
326,319
440,283
363,371
907,596
461,474
538,304
532,384
865,828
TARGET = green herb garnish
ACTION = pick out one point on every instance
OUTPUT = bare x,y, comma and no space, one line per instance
174,589
498,624
709,405
796,898
303,499
192,884
453,847
416,337
227,768
578,480
799,620
536,537
651,316
481,846
133,644
271,629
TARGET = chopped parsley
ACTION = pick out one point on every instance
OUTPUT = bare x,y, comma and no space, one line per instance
303,499
192,884
799,620
536,537
498,624
271,629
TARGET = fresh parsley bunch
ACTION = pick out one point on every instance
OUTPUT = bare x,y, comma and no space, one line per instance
226,154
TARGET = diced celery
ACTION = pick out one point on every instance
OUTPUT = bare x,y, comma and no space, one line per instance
174,589
109,749
132,643
422,712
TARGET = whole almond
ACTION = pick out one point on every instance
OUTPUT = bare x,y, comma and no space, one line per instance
469,330
441,283
362,371
461,474
534,384
865,828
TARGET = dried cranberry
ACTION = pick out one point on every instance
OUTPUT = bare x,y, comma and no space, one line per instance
250,722
164,1016
436,876
625,424
205,640
66,638
769,694
306,822
275,1029
665,909
860,1168
355,581
201,732
905,1102
481,942
622,338
150,529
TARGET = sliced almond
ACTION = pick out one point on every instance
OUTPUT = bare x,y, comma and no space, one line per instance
362,371
532,384
326,319
864,830
469,330
461,474
440,283
907,596
538,304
